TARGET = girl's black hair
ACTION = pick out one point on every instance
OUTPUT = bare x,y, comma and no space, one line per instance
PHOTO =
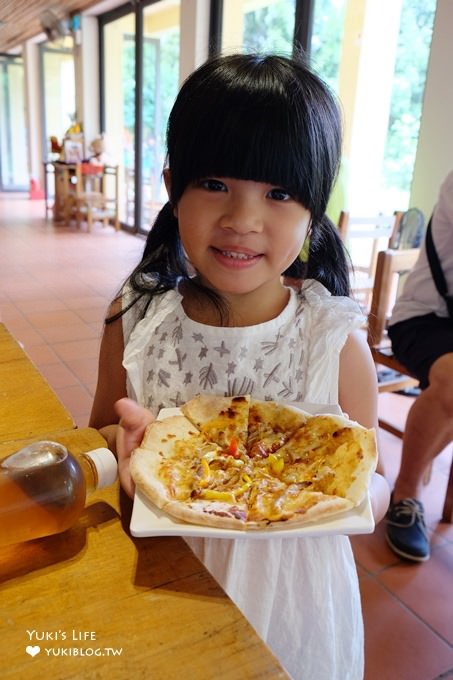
266,118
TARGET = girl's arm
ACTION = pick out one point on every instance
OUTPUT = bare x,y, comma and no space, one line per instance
358,398
358,388
111,384
121,421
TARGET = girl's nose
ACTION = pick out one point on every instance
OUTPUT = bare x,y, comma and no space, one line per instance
242,215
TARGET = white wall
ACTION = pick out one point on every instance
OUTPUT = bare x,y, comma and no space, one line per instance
33,110
87,70
194,19
434,158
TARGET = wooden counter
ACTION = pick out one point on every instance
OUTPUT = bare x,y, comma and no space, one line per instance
28,405
101,604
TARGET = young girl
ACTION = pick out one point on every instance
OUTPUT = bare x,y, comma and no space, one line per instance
253,149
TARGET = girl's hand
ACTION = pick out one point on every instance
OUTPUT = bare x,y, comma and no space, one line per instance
130,431
380,496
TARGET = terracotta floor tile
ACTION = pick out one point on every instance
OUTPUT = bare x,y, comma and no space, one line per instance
48,304
27,336
94,315
371,551
78,349
42,354
76,398
82,420
426,589
69,332
398,645
52,318
87,303
14,321
85,368
58,375
10,313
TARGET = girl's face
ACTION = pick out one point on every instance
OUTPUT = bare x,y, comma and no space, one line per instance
240,235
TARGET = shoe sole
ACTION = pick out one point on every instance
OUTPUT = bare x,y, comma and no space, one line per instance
407,556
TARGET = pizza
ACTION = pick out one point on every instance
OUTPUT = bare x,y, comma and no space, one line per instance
241,463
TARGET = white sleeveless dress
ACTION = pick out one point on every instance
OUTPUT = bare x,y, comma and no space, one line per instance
300,594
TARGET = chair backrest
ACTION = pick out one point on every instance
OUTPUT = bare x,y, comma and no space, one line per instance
111,183
365,236
391,266
367,226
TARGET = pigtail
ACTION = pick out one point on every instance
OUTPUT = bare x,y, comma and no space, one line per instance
163,263
327,259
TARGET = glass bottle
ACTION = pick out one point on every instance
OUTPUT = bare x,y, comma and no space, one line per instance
43,488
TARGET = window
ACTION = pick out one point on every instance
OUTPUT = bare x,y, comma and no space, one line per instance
13,143
119,106
160,87
141,78
258,25
381,92
59,101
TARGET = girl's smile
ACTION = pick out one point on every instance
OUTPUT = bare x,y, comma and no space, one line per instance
236,259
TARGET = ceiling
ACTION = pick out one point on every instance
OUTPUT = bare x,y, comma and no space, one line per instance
20,20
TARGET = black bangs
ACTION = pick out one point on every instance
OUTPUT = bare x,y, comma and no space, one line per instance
251,142
251,118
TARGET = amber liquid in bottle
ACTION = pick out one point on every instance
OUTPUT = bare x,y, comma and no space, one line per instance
42,494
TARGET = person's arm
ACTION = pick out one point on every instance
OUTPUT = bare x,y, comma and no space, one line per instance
358,389
111,383
121,421
358,398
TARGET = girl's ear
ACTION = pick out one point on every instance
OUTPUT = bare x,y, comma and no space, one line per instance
167,180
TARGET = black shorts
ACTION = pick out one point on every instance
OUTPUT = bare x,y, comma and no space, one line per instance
418,342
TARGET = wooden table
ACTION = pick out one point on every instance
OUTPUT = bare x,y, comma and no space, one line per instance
28,405
97,602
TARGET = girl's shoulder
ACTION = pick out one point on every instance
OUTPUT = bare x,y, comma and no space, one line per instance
139,313
316,296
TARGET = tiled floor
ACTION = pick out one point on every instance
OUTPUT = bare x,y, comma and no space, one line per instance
55,284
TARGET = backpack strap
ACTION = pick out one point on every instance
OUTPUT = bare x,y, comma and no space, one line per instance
436,270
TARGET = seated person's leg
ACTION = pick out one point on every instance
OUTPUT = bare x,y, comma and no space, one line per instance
429,428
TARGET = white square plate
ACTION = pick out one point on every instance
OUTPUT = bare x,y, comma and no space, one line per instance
148,520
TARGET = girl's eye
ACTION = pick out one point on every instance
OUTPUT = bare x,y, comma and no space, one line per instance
212,184
279,194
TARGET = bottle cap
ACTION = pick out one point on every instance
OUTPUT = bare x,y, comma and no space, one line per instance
106,466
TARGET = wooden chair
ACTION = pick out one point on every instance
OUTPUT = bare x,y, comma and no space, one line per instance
94,195
391,267
364,237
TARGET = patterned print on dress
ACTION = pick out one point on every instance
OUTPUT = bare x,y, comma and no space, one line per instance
163,377
272,375
287,390
177,334
231,368
236,388
271,346
207,376
258,365
180,358
222,349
